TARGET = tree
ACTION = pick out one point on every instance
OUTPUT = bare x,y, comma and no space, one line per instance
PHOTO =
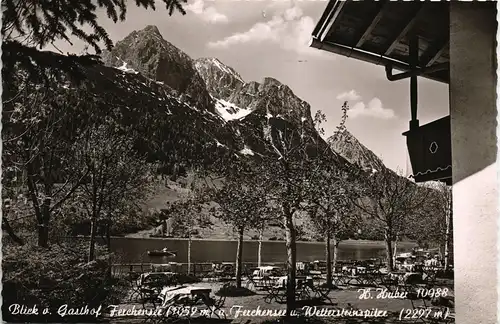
331,191
187,213
286,175
391,199
242,204
40,125
114,175
332,213
434,224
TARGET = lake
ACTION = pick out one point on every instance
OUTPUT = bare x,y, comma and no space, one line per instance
134,250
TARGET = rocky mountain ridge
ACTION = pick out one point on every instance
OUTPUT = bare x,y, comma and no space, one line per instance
248,109
220,79
147,52
352,150
224,83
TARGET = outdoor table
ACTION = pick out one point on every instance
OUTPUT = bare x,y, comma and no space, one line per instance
298,279
263,282
154,276
397,274
360,269
168,294
148,285
178,302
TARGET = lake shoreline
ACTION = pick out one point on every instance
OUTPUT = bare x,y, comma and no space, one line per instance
224,250
346,242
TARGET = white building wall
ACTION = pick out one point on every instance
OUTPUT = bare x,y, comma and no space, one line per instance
474,153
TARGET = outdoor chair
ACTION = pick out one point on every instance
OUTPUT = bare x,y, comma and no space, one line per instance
389,283
368,279
429,275
322,292
250,281
303,291
277,293
274,291
135,288
215,306
338,279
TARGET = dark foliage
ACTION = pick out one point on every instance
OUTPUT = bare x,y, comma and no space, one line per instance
55,277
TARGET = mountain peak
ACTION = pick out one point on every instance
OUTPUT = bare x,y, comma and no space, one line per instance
219,65
271,82
221,80
147,52
350,148
151,29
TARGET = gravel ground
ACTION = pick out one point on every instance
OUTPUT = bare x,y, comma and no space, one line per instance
346,298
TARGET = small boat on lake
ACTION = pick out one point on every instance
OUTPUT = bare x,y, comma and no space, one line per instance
163,253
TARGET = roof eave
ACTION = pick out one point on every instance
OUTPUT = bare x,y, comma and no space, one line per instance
364,56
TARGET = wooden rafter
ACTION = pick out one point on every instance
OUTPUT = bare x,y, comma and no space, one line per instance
405,30
372,23
433,53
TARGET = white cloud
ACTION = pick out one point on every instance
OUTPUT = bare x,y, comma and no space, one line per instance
349,96
373,109
207,13
289,28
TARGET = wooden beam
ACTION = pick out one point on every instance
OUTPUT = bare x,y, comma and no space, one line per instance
372,23
433,53
331,19
405,30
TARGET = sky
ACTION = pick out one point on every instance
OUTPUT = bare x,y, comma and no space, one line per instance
269,38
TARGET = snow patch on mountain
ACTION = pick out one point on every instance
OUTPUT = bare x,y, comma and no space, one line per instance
124,68
247,151
229,111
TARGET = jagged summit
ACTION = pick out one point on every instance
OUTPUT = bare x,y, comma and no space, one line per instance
147,52
218,64
152,29
353,151
221,80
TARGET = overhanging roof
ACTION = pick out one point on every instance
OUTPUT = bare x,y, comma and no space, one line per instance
379,32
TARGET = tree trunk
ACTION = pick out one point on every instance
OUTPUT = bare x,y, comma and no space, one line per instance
43,235
6,227
108,235
291,259
328,255
259,251
239,258
388,244
43,228
395,250
335,252
189,253
93,230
